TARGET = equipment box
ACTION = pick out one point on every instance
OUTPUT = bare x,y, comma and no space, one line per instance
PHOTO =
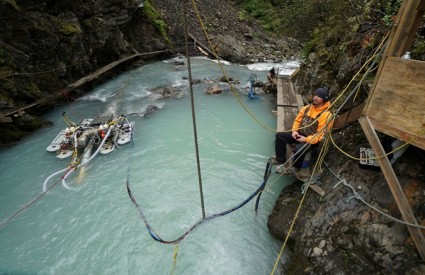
367,158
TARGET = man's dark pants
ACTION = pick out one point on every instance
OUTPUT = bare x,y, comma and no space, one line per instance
284,138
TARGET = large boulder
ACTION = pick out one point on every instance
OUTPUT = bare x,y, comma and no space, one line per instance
229,48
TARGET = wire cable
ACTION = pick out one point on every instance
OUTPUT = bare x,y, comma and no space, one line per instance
357,196
192,103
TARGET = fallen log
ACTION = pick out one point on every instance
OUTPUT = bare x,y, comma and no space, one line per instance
203,47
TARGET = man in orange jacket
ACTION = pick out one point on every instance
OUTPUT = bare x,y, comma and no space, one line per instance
305,129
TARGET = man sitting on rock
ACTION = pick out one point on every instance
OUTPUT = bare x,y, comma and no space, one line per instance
306,132
270,86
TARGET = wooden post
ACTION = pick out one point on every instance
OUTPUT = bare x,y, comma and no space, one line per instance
404,18
394,185
348,117
415,16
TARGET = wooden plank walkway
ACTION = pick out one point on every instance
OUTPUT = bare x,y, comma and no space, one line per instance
287,106
99,72
289,103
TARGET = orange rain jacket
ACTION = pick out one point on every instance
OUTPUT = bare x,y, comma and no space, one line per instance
322,120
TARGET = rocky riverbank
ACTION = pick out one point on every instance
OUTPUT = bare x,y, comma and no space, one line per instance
341,232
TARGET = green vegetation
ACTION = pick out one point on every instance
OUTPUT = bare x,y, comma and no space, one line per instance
30,89
391,8
327,27
262,11
418,49
334,30
157,20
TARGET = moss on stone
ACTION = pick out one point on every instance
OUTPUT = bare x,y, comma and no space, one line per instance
158,22
13,4
69,29
32,89
29,123
9,133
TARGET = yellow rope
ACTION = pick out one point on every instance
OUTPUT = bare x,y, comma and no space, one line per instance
361,69
374,55
176,250
317,164
321,156
68,122
232,88
291,227
234,92
377,157
348,85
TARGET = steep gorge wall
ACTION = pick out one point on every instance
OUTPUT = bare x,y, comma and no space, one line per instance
46,46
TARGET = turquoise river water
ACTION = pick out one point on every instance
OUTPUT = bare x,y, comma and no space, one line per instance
96,229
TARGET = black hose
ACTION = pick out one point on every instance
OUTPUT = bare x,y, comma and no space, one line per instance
156,237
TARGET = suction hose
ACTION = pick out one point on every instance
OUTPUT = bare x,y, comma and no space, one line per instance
70,169
84,163
51,176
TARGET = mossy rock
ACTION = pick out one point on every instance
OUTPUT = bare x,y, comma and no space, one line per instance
9,133
29,123
69,29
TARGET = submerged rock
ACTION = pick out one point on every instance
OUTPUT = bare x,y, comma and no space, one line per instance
213,90
150,109
164,92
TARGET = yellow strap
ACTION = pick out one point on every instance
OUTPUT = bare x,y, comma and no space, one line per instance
232,88
176,250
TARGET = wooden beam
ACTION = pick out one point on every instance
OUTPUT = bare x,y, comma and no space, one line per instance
401,30
349,116
394,185
100,71
416,18
300,101
205,48
415,140
285,118
317,189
